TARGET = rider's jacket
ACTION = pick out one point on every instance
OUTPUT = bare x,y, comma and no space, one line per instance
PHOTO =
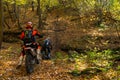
33,39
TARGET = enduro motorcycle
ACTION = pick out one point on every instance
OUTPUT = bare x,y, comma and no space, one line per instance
31,57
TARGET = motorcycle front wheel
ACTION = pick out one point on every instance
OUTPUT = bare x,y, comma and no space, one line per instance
29,63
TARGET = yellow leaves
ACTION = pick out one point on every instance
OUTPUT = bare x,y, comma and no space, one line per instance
111,73
55,69
10,48
102,63
18,2
106,42
115,9
79,64
91,19
104,12
9,1
95,78
49,2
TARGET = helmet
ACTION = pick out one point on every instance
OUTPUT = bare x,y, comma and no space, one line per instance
29,25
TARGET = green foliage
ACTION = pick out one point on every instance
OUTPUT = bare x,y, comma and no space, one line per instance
53,3
118,67
100,58
103,26
9,1
82,5
59,55
75,72
21,2
17,2
99,61
49,3
74,55
115,9
107,52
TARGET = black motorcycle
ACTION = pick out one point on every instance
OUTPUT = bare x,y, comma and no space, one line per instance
31,57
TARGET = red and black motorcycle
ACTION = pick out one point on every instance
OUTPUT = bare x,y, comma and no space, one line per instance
31,57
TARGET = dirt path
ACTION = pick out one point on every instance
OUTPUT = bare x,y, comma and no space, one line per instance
54,69
46,70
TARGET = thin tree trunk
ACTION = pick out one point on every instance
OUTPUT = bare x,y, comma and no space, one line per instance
6,23
9,12
98,10
25,11
18,17
1,23
117,31
14,10
32,5
17,12
39,14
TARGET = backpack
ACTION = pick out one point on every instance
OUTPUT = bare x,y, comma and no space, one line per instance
28,36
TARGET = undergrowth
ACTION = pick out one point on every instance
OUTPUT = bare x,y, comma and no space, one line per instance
97,62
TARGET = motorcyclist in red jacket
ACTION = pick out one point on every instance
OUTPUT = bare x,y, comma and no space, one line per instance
30,38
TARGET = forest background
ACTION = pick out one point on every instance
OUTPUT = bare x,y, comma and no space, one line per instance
78,28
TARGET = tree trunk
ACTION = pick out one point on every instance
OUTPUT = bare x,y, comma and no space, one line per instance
25,11
32,4
17,14
18,17
9,12
1,23
98,9
5,22
15,10
39,14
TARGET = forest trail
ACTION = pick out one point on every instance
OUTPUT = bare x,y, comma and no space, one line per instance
54,69
60,67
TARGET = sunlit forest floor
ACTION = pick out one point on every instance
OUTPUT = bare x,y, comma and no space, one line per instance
61,67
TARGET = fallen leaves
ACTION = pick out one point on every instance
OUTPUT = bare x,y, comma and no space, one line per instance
54,69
